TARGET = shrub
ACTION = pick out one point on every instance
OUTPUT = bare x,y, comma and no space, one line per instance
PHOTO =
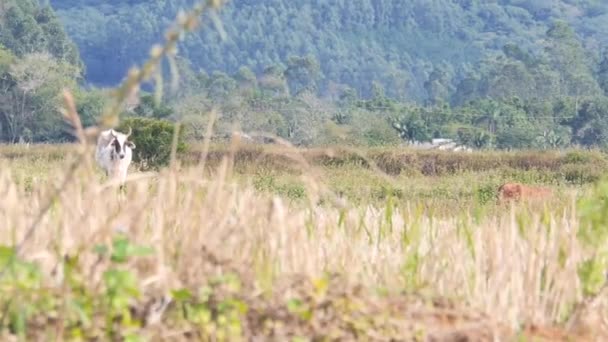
153,139
486,193
576,157
369,129
581,174
593,235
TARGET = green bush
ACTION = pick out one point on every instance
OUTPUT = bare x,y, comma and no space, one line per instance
153,139
486,193
581,174
593,235
576,157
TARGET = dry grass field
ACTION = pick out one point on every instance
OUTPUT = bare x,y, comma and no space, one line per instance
220,252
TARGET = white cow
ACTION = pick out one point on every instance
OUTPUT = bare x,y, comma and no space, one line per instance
114,154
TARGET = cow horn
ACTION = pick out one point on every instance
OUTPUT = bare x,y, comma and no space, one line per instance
112,133
130,131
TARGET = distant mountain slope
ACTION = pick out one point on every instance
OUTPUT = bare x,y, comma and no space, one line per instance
398,43
27,27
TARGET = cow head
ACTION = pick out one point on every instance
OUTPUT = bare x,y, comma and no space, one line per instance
120,143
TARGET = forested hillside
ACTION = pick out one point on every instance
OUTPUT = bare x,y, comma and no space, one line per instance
37,59
490,74
417,49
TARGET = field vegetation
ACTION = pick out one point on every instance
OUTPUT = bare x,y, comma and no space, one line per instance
287,244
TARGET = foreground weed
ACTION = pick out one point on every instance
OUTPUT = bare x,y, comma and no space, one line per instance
593,234
22,295
216,310
76,306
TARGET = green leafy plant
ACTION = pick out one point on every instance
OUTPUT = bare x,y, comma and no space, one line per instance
121,286
593,235
82,308
19,289
486,193
153,139
216,309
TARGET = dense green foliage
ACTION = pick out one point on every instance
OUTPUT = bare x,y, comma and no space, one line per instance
37,60
153,139
416,49
360,73
26,27
506,74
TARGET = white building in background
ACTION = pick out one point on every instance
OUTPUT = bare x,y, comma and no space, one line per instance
442,145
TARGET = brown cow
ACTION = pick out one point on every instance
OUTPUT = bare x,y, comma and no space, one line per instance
518,192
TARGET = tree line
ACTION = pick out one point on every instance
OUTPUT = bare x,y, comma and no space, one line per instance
403,45
551,96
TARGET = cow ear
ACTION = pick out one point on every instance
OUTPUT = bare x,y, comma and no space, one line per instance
131,144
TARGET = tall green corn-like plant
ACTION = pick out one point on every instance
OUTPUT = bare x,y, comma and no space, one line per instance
593,235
